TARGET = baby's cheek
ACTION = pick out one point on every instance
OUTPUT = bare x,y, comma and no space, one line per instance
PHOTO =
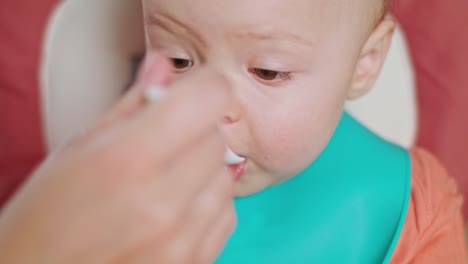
287,147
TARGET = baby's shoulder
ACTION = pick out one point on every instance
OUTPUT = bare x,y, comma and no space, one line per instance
433,229
430,180
431,186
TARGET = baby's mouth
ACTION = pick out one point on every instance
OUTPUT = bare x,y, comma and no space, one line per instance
235,163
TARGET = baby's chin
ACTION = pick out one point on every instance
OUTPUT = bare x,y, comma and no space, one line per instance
254,182
244,189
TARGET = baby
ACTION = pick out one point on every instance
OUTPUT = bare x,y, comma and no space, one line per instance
291,66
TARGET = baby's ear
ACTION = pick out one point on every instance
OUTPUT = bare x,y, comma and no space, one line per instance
372,58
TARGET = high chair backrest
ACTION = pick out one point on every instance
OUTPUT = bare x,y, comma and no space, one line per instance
88,58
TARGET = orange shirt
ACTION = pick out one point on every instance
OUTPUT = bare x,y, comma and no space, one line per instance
434,230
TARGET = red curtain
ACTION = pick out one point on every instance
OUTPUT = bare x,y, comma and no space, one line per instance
437,34
22,24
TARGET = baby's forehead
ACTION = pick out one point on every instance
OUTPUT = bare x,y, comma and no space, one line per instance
300,16
376,6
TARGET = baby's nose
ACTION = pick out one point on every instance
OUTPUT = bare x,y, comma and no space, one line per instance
233,112
232,116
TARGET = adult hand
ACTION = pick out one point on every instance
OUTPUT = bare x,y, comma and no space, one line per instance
147,184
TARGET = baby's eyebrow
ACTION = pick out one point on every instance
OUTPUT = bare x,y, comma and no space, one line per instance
271,35
162,19
247,32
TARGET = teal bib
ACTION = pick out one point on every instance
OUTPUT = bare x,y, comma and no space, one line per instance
349,206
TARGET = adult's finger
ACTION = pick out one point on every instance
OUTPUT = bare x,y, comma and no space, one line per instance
207,209
191,172
156,70
189,112
216,238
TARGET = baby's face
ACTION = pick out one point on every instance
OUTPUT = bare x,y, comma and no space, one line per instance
289,63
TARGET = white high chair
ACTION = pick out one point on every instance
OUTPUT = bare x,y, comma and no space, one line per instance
87,58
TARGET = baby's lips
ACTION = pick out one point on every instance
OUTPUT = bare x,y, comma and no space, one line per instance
231,158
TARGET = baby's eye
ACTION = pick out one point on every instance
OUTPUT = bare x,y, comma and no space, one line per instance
181,65
269,75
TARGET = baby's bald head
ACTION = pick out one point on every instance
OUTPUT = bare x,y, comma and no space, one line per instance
373,12
381,8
